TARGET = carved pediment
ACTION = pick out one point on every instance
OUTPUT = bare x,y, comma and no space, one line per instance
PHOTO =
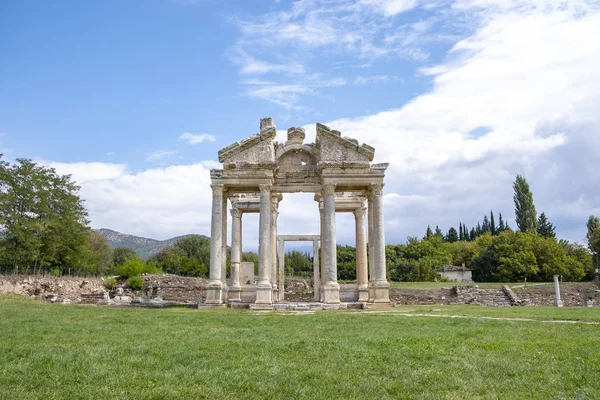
335,148
257,149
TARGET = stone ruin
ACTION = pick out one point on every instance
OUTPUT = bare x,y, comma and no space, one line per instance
257,173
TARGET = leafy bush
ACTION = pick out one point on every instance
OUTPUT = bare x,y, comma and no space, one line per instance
110,282
55,271
135,282
131,267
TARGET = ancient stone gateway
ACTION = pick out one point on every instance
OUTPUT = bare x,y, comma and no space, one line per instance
258,171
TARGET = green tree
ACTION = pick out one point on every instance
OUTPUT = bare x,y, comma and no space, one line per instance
99,258
501,226
122,254
43,221
593,241
545,227
492,224
438,232
452,235
428,233
525,213
486,227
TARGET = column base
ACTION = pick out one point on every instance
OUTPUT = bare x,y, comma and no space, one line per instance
234,294
558,303
331,293
379,292
214,293
363,293
264,293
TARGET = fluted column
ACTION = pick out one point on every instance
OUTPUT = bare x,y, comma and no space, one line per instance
264,294
215,285
273,266
316,271
361,255
322,254
379,291
224,245
331,288
371,259
236,254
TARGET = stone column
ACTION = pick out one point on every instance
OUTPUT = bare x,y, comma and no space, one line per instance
331,289
214,289
557,301
274,272
379,289
322,254
264,295
316,271
235,288
281,263
371,236
361,255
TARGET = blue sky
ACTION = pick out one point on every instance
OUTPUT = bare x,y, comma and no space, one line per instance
459,96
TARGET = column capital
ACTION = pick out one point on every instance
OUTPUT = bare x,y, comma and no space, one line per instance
377,189
265,189
328,189
360,212
218,189
236,213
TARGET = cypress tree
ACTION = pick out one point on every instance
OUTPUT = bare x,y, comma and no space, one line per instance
438,232
461,236
428,233
485,228
466,233
478,230
501,227
525,214
473,234
492,223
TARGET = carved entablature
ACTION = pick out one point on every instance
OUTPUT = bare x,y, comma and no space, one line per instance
297,166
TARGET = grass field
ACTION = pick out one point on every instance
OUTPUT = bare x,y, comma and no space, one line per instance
422,352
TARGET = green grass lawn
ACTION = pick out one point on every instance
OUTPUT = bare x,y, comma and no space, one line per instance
88,352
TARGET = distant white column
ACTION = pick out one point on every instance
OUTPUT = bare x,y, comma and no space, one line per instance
361,254
557,300
331,287
236,254
214,288
281,263
264,294
316,271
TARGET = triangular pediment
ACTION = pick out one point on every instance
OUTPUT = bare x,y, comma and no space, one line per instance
334,148
256,149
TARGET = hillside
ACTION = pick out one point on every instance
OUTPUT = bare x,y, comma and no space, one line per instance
145,247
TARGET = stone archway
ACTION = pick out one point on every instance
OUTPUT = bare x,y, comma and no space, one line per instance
257,172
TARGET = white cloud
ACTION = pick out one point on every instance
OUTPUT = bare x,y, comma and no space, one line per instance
365,80
160,155
527,80
197,138
157,202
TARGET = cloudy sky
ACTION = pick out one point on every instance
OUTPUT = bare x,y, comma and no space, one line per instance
135,98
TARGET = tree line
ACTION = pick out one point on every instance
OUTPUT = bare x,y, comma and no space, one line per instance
44,228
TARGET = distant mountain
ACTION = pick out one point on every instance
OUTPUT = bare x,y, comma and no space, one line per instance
145,247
